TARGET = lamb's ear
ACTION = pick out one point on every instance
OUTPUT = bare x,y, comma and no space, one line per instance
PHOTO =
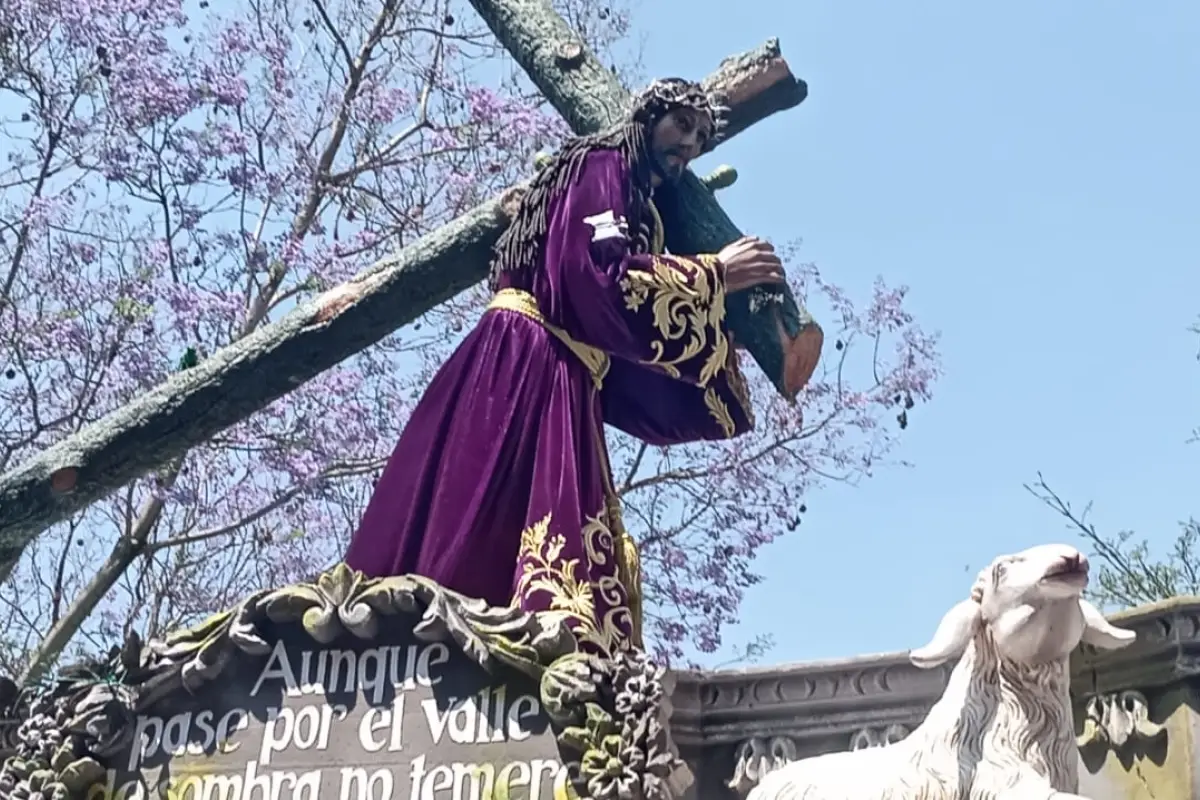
1099,632
953,634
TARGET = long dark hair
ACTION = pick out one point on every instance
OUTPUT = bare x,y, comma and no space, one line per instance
520,246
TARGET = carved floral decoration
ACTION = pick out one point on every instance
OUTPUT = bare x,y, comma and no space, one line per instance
611,710
878,737
1118,719
612,716
756,757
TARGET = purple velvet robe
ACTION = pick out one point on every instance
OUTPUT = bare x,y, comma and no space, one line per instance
499,487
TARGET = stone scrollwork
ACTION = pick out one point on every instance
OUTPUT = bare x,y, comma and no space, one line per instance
1118,719
877,737
611,715
88,714
756,757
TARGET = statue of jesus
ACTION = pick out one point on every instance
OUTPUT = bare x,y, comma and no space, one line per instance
500,486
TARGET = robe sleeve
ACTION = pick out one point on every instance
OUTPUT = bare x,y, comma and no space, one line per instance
662,410
663,316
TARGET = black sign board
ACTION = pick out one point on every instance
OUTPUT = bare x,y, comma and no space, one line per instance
390,719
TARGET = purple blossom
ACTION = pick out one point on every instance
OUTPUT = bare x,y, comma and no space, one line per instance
43,210
379,104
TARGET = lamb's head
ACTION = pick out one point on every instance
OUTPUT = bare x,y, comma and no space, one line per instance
1032,604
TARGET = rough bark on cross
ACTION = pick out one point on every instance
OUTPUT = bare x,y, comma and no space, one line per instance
238,380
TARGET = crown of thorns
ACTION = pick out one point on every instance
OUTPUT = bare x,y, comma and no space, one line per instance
667,94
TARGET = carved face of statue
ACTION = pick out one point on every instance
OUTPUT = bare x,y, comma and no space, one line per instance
1033,604
677,138
1031,601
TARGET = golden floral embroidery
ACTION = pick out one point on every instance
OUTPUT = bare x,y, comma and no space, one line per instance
738,386
629,565
741,392
572,587
720,412
687,304
635,294
687,299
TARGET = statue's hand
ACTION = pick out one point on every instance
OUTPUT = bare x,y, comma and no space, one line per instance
749,262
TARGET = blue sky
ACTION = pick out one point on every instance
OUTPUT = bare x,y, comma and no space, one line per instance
1031,171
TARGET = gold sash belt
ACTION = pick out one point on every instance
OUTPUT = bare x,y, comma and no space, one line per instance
524,303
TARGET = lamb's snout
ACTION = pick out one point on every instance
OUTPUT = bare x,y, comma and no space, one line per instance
1068,563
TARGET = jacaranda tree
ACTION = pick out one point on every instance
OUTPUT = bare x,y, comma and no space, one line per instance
176,174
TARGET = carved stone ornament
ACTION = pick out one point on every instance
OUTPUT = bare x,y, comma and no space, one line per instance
609,709
756,757
1118,719
878,737
612,717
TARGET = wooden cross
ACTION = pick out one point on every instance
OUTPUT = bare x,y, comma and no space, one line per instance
782,337
246,376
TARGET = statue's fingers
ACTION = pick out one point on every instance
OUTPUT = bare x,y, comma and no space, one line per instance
768,265
766,273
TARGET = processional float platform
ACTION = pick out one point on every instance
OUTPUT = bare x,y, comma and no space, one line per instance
351,687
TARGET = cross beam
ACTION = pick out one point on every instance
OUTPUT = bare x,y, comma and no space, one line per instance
777,331
246,376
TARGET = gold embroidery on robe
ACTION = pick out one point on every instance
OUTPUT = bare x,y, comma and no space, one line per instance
543,570
680,309
629,567
717,407
741,392
686,314
719,412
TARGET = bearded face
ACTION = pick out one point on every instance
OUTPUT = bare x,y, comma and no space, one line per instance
676,138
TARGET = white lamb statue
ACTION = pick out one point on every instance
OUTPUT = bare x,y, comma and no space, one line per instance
1002,730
